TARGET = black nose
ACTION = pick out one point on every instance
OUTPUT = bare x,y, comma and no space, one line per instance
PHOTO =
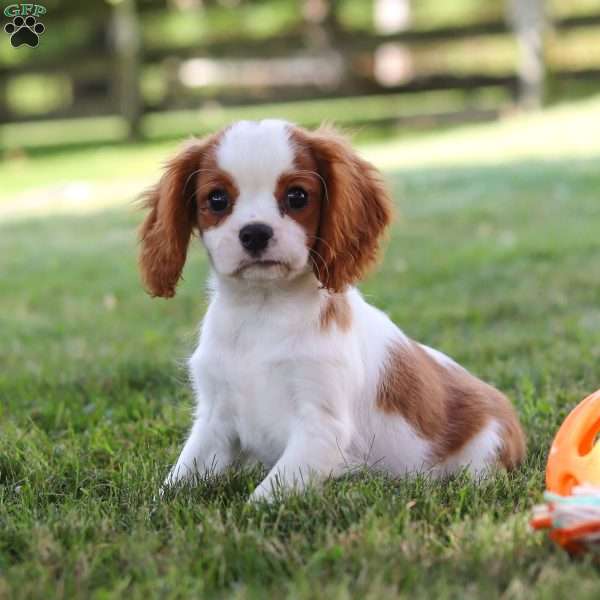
255,237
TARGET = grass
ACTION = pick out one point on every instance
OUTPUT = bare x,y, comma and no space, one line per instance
494,259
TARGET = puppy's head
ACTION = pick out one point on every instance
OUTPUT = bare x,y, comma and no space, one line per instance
270,201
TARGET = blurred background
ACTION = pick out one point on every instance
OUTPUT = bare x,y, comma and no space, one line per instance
115,70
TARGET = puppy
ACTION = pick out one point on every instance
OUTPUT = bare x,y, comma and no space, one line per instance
294,369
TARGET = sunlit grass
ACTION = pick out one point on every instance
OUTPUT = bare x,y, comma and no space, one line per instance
568,131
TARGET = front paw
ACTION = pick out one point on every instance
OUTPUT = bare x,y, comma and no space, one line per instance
169,482
164,489
175,477
263,493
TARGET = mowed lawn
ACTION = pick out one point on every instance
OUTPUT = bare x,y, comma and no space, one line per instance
494,258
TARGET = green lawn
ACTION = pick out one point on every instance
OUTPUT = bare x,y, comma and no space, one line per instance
494,258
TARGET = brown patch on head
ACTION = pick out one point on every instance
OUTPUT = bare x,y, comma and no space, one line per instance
211,178
304,175
178,205
446,405
336,311
355,209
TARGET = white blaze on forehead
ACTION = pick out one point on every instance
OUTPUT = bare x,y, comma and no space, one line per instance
256,153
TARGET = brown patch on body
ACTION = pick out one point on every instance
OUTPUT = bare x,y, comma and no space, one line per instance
446,405
336,311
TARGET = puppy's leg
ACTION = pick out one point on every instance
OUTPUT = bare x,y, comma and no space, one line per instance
311,456
208,449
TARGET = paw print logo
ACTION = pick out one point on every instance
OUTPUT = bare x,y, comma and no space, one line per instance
24,31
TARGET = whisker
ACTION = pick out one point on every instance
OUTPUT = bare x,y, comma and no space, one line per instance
314,253
196,173
320,239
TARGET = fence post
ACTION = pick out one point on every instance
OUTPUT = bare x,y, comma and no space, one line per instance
127,45
527,20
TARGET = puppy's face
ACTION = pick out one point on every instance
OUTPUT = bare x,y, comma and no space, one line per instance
258,198
270,201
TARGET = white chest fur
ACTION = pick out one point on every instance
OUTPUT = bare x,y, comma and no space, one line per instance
262,371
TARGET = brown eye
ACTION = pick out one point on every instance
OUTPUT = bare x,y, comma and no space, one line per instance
296,198
218,200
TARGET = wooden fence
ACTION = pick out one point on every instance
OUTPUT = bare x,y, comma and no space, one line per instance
106,76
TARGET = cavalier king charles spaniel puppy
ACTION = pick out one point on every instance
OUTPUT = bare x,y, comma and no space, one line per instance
294,369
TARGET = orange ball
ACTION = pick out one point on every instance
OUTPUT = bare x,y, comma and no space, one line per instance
574,456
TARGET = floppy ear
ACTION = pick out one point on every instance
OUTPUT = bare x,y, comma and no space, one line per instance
166,231
355,212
